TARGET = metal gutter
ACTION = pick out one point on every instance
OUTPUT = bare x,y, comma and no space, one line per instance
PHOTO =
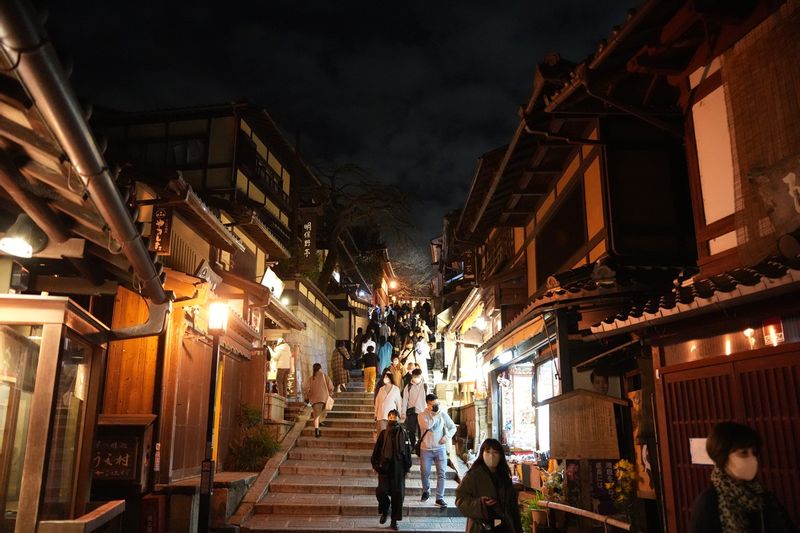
42,75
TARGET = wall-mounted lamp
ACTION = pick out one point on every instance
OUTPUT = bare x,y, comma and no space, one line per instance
24,238
393,284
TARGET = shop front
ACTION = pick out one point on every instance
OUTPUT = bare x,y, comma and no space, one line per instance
51,368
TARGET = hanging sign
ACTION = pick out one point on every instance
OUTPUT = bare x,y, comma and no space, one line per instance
308,238
469,264
161,230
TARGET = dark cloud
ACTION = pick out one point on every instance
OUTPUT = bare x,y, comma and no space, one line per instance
413,91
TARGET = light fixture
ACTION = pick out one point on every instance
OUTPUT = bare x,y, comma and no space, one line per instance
362,293
24,238
393,284
217,318
285,300
480,323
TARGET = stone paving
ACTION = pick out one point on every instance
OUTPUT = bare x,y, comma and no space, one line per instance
328,484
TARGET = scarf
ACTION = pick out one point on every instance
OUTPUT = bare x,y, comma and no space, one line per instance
736,500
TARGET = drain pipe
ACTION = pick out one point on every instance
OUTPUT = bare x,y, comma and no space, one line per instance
42,75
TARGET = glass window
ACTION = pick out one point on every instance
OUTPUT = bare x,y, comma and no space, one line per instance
19,358
67,428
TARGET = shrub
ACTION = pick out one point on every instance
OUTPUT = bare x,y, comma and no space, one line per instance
255,445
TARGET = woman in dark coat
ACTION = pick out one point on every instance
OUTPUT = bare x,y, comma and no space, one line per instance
486,496
735,502
391,459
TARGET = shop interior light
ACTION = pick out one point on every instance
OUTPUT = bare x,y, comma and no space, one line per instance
218,318
505,357
24,238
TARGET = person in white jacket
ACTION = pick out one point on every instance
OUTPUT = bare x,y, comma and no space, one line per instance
423,352
387,398
437,429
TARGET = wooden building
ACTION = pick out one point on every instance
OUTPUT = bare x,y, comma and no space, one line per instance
725,342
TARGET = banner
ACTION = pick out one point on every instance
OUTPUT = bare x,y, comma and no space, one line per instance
308,238
161,230
469,264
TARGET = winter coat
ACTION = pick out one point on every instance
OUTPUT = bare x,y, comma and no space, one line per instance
773,519
401,449
388,398
479,481
317,388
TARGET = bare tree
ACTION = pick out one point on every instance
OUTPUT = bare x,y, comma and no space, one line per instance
352,197
412,264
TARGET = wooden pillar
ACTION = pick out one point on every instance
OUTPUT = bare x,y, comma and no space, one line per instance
562,344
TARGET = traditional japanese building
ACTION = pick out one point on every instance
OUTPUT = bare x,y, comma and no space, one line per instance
724,342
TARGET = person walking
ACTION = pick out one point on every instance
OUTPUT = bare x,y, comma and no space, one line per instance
422,350
384,354
370,368
437,429
341,377
391,459
317,389
408,375
397,372
414,403
369,340
386,399
282,356
736,501
486,495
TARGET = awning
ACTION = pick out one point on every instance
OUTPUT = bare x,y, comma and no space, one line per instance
282,316
200,217
250,222
256,291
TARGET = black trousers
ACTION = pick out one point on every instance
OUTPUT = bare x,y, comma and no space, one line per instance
412,427
390,493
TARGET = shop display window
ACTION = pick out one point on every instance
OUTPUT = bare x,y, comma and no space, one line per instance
518,413
547,386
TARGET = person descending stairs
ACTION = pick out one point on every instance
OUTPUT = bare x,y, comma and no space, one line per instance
328,484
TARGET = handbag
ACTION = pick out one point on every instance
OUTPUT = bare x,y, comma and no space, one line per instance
329,403
418,445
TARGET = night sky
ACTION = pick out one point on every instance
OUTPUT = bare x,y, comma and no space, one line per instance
413,91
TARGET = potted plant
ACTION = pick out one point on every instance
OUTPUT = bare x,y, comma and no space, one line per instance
623,488
533,513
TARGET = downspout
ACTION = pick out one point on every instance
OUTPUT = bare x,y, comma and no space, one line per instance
40,72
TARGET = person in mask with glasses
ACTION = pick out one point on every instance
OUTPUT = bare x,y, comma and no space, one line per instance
736,501
486,496
391,459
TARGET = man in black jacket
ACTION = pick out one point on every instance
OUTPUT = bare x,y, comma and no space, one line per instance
391,459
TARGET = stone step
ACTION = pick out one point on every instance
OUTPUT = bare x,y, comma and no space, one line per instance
351,414
346,422
341,432
330,454
353,443
348,407
355,469
322,484
317,523
347,505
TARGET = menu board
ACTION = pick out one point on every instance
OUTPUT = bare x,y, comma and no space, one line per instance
115,457
582,426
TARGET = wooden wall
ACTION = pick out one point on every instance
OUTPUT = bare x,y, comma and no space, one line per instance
131,365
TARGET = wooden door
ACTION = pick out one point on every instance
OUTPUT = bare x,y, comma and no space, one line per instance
758,389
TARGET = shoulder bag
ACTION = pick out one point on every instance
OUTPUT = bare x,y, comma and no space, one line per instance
418,445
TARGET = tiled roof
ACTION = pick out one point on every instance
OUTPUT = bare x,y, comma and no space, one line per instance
592,282
735,284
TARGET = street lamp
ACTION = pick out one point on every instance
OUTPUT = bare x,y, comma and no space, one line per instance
217,325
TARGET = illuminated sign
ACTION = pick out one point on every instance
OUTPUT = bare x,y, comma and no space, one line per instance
161,230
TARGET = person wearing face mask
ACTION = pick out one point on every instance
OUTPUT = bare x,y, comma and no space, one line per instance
736,502
486,496
437,430
413,404
387,397
391,459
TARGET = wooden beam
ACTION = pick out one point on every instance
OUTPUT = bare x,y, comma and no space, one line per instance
72,285
29,140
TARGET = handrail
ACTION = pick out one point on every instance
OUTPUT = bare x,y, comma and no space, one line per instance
603,519
87,523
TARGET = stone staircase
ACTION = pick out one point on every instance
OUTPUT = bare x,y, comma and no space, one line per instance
327,483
